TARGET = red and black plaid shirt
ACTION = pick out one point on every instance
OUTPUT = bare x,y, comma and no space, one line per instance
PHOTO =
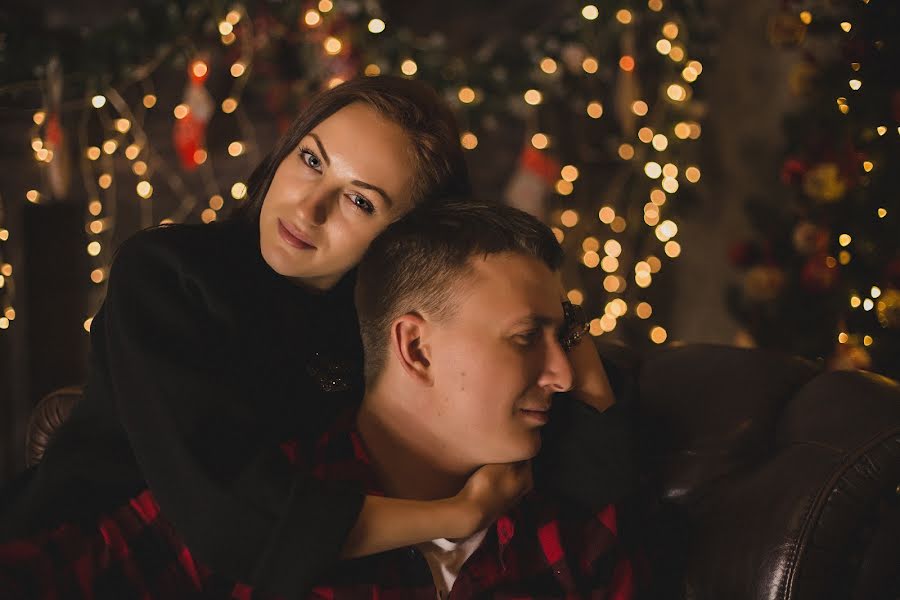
541,549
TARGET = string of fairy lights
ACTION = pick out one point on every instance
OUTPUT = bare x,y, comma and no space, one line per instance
594,70
7,288
865,293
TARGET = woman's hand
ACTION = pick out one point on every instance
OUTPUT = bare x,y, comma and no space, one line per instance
590,383
490,492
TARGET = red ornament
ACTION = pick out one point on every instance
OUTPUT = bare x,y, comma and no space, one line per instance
819,274
892,274
744,254
793,171
189,133
895,105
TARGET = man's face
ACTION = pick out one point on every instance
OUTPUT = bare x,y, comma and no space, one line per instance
497,362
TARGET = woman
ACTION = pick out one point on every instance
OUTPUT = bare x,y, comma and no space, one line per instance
217,343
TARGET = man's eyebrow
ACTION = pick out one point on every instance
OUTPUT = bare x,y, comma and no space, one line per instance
374,188
321,148
536,320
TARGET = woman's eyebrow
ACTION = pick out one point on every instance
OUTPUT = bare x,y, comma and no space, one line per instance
374,188
321,148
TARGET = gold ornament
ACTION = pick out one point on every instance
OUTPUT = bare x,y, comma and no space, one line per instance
823,183
888,309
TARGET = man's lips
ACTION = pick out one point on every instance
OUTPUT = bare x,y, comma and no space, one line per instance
294,237
537,413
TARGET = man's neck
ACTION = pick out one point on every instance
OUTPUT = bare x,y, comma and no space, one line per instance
408,462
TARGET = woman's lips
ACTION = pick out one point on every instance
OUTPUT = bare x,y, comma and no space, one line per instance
293,237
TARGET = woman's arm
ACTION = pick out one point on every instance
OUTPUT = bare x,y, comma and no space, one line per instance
388,523
591,384
587,455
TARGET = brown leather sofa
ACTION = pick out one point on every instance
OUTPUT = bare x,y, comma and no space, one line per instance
763,477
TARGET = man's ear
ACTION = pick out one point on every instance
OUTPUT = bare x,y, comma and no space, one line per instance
410,347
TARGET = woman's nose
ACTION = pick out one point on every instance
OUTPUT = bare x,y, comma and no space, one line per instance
314,206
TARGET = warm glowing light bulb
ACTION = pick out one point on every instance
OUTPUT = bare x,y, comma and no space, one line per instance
569,173
376,26
569,218
594,109
670,30
533,97
548,65
332,45
409,67
466,95
564,188
469,140
676,92
144,189
238,190
540,141
660,142
590,12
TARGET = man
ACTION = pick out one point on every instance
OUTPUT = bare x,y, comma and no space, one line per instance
464,333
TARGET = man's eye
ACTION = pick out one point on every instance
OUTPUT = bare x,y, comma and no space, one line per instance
528,338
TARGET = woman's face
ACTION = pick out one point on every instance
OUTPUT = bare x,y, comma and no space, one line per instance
348,179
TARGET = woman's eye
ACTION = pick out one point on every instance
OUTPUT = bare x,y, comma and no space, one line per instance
312,161
362,204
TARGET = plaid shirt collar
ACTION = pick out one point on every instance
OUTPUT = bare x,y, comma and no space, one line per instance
529,538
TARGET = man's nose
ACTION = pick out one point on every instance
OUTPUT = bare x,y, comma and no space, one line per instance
558,375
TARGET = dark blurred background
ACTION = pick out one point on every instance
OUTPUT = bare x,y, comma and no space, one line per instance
717,171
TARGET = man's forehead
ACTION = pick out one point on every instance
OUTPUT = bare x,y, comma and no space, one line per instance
516,285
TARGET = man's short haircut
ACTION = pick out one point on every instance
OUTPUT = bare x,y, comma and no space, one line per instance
419,263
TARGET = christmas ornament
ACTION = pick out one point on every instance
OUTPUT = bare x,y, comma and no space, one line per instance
786,30
793,170
744,254
818,274
532,181
800,78
58,163
892,274
189,133
824,183
888,309
763,283
810,239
